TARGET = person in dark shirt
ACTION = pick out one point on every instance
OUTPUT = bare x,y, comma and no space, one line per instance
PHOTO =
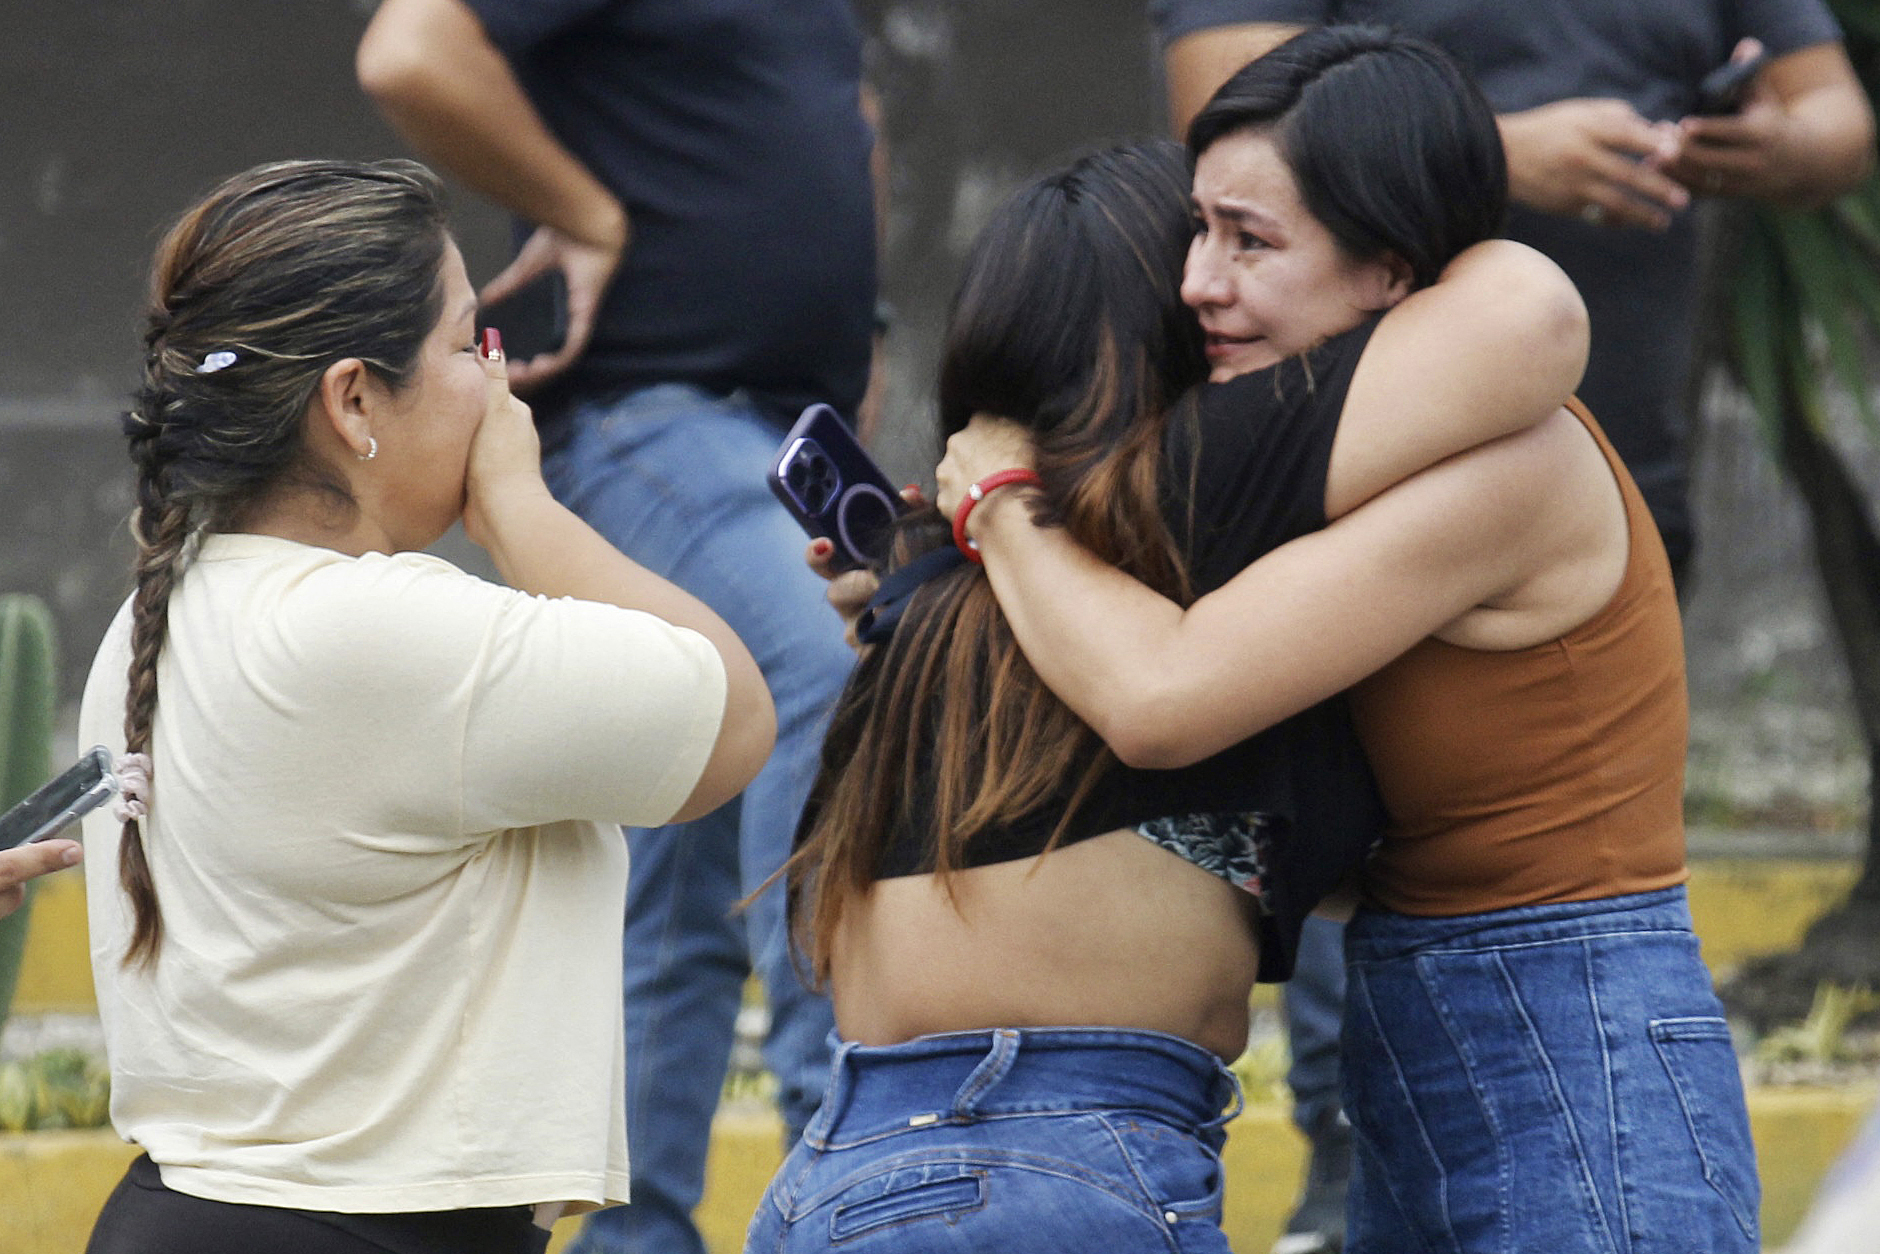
696,172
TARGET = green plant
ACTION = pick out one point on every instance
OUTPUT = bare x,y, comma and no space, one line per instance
60,1088
1822,1036
1804,319
27,670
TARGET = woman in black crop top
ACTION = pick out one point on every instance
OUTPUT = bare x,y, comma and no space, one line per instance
1035,1000
1534,1057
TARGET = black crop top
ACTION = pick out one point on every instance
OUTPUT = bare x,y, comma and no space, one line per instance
1247,475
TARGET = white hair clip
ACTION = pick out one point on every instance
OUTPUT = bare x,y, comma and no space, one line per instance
221,359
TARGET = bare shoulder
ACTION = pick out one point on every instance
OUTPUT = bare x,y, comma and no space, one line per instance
1504,288
1554,496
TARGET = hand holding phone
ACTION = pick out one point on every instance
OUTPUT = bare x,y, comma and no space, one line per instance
70,796
29,862
834,489
1725,88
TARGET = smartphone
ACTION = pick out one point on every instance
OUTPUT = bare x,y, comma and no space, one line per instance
533,320
1725,88
831,486
74,793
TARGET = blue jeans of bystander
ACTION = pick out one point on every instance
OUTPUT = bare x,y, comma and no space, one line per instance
1314,1002
1554,1078
675,478
1016,1139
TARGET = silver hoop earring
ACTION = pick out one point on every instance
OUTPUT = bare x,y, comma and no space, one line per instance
372,449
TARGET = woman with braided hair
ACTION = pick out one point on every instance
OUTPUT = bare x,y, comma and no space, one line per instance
372,882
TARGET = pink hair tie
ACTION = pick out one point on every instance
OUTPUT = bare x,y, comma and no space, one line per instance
133,775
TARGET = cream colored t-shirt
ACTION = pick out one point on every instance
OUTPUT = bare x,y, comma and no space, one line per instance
381,834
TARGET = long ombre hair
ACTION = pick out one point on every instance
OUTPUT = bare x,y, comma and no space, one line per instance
1068,320
268,280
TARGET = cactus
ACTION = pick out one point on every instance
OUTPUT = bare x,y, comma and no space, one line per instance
73,1089
26,703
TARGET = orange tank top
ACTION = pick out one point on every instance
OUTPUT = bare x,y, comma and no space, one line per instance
1552,773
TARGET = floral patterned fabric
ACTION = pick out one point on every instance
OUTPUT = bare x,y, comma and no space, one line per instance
1233,846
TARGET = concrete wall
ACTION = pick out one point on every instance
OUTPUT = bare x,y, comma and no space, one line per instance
114,114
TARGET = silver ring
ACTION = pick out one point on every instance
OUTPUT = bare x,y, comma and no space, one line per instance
1592,214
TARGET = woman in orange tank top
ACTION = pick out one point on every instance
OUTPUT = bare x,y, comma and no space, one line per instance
1534,1056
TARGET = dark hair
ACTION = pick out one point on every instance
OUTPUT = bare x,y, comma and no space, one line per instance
267,281
1069,320
1391,143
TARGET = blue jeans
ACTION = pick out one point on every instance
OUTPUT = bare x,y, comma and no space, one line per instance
1016,1139
1551,1078
675,478
1314,1004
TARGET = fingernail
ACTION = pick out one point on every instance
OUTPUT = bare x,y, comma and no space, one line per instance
822,547
70,856
912,487
492,344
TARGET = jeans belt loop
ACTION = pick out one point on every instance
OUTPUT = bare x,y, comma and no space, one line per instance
1237,1104
986,1076
822,1124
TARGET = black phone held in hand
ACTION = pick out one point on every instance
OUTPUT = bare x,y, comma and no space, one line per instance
1725,88
831,486
72,794
533,319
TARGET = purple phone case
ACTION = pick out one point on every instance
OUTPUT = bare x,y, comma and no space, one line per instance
831,486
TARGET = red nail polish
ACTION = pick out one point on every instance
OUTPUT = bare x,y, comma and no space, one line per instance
492,343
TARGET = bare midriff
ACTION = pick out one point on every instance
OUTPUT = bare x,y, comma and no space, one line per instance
1109,932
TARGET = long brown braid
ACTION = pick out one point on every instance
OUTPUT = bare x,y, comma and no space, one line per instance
260,287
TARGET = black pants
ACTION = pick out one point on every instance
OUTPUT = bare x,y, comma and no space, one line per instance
144,1217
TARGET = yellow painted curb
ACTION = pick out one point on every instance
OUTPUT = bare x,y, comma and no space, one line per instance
1742,907
55,977
1799,1133
52,1183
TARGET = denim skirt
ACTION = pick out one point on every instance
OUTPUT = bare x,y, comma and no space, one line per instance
1016,1139
1551,1078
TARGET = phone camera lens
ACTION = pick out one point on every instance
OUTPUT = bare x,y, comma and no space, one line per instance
813,480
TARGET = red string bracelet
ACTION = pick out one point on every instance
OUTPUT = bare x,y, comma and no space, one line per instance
977,493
